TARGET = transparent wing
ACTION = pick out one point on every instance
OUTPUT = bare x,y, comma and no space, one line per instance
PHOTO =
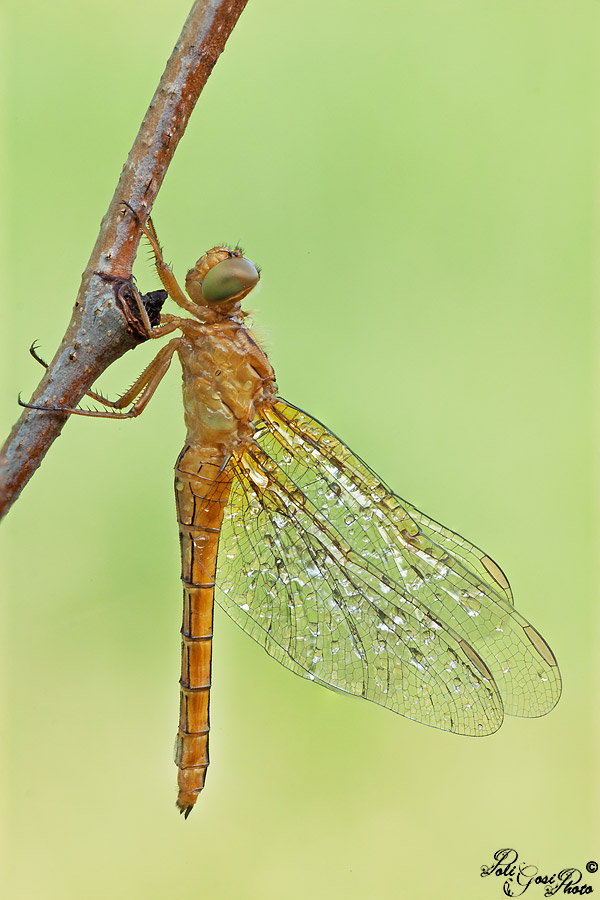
348,585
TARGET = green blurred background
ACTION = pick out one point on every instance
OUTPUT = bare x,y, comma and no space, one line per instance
418,181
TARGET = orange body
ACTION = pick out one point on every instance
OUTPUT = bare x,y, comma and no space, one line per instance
226,378
201,493
337,577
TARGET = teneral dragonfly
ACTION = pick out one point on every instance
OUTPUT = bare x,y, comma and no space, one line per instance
339,579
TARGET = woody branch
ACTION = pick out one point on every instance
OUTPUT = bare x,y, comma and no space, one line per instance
97,334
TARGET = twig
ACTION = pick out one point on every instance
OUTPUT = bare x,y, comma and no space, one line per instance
97,334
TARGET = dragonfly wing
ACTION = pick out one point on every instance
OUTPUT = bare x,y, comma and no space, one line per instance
345,584
476,596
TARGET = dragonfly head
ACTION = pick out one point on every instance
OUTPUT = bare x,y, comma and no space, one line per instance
221,279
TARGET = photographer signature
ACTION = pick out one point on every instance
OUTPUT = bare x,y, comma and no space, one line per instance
518,876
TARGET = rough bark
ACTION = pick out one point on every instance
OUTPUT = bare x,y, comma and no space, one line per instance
97,334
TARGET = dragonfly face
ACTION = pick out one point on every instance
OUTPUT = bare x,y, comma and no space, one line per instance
220,278
312,554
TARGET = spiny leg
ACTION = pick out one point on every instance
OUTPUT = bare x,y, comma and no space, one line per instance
165,273
149,330
170,324
143,387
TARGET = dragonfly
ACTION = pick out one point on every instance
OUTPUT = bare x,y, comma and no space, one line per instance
308,550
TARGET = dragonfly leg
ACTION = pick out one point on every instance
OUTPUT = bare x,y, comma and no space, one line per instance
42,362
163,328
143,388
168,324
165,273
166,319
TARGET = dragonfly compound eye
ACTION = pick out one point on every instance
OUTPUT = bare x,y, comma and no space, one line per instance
229,280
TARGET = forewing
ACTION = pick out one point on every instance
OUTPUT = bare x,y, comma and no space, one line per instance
347,585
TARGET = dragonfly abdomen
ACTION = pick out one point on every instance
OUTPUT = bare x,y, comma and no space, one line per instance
201,491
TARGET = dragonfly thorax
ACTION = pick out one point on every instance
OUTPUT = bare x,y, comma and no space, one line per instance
226,379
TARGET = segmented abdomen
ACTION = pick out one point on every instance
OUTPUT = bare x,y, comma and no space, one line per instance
201,492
